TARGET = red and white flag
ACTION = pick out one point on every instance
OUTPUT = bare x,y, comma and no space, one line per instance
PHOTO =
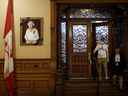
8,47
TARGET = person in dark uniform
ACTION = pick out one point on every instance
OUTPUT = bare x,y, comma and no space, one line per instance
118,67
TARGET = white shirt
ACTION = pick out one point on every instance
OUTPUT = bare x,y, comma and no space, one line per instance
31,35
117,58
102,50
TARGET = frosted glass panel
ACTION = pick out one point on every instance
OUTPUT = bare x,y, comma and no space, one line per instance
102,33
63,42
79,38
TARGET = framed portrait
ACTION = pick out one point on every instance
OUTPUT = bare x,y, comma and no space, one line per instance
31,31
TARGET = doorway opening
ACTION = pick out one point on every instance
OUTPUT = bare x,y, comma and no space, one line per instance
78,30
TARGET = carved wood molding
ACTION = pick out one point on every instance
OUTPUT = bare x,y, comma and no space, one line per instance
30,65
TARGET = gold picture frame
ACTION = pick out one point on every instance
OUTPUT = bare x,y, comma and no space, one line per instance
31,31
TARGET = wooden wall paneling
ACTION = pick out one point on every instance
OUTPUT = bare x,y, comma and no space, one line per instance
33,77
32,87
33,66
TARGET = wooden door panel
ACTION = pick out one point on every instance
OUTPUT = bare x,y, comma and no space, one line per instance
78,50
79,66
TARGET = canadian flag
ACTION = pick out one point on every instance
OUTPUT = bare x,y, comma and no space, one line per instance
8,47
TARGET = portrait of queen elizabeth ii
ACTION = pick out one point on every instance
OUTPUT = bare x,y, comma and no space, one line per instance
31,35
31,31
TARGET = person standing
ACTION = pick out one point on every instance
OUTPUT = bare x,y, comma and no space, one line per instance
118,68
102,59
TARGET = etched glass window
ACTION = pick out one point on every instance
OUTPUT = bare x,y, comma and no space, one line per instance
102,33
63,42
79,38
90,13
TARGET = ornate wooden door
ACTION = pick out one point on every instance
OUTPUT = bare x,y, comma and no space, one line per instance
78,49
